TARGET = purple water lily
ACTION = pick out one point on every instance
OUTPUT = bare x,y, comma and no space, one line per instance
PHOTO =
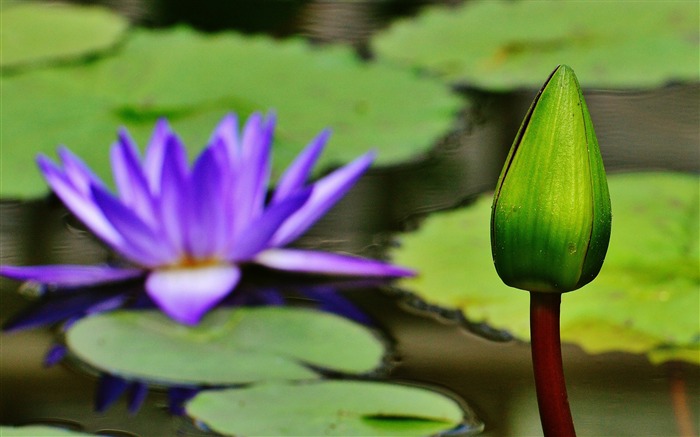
189,230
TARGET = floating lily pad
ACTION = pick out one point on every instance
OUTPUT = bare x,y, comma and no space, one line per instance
37,33
332,408
38,430
645,299
230,346
502,45
195,79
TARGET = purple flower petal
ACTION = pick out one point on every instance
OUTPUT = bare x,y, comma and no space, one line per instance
155,153
254,170
186,294
172,203
77,202
326,192
227,133
109,304
141,243
325,263
227,206
257,236
137,396
55,354
207,228
177,396
65,307
330,300
184,225
109,388
77,172
130,179
296,175
69,275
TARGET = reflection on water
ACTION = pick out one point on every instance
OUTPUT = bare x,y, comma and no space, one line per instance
611,394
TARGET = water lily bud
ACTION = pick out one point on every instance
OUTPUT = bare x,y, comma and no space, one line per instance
551,217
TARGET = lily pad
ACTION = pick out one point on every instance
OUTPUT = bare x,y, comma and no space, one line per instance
332,408
645,299
195,79
237,346
502,45
38,33
38,430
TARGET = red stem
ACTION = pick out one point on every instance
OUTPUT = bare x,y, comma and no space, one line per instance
555,414
679,397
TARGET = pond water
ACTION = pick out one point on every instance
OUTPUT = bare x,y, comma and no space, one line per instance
611,394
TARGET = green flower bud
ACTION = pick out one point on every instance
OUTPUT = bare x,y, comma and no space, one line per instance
551,217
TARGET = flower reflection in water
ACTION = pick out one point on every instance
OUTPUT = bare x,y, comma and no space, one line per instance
65,308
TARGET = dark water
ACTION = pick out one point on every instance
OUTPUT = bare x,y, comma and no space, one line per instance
611,394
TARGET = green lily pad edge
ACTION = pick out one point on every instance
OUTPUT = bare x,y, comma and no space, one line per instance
230,346
68,32
333,408
644,301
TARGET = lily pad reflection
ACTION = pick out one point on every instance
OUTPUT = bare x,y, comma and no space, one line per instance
333,408
229,346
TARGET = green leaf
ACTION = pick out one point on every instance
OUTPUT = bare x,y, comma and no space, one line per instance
502,45
333,408
196,79
645,299
37,430
35,33
230,346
